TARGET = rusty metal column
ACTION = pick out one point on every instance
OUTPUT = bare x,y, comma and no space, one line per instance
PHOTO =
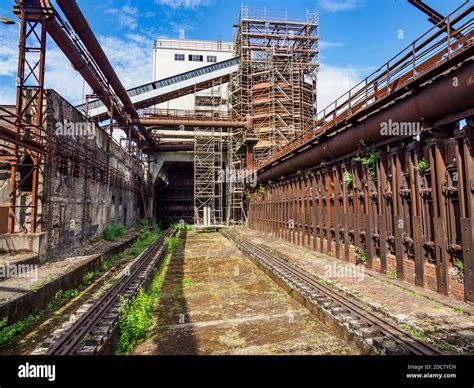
307,213
369,224
30,96
292,214
325,203
301,212
382,172
315,220
331,228
338,201
359,204
286,213
416,215
438,176
466,160
399,225
320,200
344,232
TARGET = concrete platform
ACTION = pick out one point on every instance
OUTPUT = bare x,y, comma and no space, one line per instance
444,322
23,260
215,301
24,295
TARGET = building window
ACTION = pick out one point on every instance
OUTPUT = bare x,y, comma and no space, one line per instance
212,59
179,57
196,58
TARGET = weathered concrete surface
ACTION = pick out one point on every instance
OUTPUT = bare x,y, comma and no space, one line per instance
76,200
22,296
444,322
217,302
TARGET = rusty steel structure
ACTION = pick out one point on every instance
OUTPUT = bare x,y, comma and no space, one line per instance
30,135
276,82
32,144
153,117
380,177
402,201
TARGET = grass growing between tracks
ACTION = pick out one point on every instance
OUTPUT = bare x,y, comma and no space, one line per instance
136,315
10,332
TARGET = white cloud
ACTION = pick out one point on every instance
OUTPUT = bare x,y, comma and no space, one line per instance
9,36
333,82
127,16
338,5
193,4
131,58
61,76
324,44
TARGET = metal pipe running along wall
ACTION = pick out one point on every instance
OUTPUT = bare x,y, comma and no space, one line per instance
442,98
404,208
80,25
409,215
78,62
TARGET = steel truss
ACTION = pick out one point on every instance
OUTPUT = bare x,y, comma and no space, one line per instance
29,124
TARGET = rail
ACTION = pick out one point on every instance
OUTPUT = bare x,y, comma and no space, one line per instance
69,341
406,341
434,48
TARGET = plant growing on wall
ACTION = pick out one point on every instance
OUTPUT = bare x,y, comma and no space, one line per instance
361,256
349,179
459,264
423,166
368,158
262,190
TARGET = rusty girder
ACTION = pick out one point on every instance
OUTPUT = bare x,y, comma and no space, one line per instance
409,213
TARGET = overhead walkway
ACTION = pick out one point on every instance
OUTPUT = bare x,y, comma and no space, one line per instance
170,88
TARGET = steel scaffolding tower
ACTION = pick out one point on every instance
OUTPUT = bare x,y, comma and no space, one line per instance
236,214
208,183
276,83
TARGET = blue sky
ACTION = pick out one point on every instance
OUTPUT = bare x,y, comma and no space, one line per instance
356,36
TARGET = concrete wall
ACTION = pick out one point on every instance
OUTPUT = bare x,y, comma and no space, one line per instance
75,204
80,207
4,170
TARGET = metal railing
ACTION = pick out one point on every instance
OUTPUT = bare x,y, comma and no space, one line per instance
193,45
434,48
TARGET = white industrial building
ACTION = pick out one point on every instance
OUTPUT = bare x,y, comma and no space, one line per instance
175,56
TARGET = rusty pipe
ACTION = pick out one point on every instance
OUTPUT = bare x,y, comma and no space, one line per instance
436,101
63,41
80,25
173,148
191,122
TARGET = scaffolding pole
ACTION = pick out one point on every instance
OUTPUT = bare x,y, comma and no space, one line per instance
208,183
276,83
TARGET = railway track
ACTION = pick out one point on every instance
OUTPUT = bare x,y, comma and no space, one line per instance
101,318
405,342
